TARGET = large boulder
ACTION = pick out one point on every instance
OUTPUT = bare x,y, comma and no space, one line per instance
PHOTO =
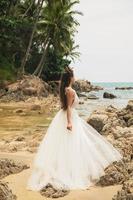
29,86
32,85
82,86
108,95
98,121
85,86
115,173
22,89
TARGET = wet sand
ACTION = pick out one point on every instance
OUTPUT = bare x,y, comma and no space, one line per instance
17,182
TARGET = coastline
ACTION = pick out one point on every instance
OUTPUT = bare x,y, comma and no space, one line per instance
24,124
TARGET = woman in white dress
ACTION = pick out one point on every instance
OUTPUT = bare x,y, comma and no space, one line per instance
72,154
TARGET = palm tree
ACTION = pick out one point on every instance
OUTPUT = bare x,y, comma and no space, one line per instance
36,18
58,27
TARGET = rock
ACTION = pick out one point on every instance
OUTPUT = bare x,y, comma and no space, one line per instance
111,109
97,121
119,131
82,86
50,192
127,117
31,85
92,96
108,95
8,166
54,85
130,122
6,192
127,114
96,88
20,138
130,105
124,88
115,173
116,125
13,96
33,143
13,148
126,193
18,111
32,149
82,94
85,86
30,91
35,107
23,88
81,102
14,87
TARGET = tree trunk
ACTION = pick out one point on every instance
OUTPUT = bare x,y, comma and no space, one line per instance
40,65
28,9
39,68
40,3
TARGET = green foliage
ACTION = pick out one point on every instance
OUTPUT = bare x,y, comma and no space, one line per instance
7,71
59,23
55,64
56,22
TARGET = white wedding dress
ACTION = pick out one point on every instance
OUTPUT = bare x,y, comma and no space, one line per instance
71,160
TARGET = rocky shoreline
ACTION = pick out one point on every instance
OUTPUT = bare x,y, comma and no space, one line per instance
32,86
116,125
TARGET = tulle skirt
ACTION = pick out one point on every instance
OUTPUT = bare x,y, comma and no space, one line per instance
71,159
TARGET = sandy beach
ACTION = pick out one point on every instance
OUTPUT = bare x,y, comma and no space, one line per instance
17,182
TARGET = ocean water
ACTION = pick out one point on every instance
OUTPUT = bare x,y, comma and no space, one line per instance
123,96
110,87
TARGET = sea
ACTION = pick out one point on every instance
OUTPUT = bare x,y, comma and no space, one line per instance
123,96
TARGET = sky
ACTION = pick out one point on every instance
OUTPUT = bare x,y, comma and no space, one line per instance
105,37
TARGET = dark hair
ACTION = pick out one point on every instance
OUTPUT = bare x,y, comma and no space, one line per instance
64,82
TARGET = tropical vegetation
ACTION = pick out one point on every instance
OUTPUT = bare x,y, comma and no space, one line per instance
37,37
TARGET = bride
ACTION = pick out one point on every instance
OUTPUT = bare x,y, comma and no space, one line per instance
72,154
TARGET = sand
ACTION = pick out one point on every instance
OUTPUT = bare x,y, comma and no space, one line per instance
17,182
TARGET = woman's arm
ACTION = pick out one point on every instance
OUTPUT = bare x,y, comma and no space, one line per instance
70,97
